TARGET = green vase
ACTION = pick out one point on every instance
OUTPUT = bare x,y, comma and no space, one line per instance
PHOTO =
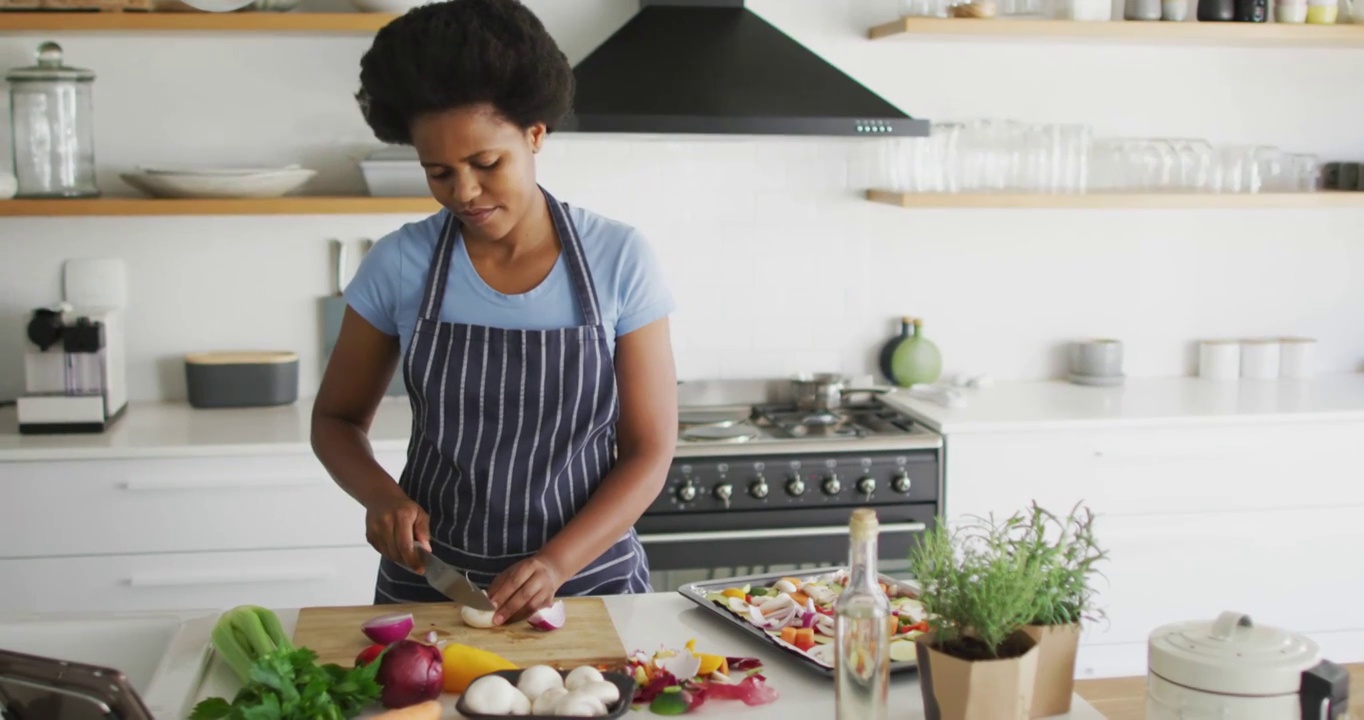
916,359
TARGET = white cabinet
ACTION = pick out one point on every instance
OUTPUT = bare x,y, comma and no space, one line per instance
1262,519
172,581
203,532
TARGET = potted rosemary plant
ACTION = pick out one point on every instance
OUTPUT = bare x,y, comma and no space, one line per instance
1064,552
975,662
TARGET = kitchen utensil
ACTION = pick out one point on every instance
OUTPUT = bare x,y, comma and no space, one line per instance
1219,360
1174,10
52,127
1260,359
1296,357
1291,12
241,379
623,682
67,689
1141,10
1252,11
1232,668
1216,10
452,583
823,392
334,306
1322,12
9,185
271,184
394,172
396,385
589,637
916,360
1100,358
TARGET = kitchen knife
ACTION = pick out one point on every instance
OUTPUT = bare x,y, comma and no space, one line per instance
452,583
334,306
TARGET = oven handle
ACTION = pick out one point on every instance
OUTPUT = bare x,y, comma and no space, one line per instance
710,536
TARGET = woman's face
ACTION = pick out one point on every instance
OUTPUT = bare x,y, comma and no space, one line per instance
479,166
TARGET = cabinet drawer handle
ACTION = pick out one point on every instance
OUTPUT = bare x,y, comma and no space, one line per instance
218,483
241,577
703,536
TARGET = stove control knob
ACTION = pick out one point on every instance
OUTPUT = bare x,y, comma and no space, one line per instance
687,492
901,482
795,486
831,485
759,488
723,492
866,485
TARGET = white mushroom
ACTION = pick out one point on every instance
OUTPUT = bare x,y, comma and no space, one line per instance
580,676
476,618
490,695
604,691
579,704
535,680
548,702
520,704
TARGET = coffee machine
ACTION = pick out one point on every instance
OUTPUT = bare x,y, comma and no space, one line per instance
74,371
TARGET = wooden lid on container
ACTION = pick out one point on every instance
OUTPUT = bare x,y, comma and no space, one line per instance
241,357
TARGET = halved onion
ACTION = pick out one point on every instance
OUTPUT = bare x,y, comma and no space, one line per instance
387,629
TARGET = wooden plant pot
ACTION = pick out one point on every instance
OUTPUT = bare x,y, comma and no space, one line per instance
1057,646
988,689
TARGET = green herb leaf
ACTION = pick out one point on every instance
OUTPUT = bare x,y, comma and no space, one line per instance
211,709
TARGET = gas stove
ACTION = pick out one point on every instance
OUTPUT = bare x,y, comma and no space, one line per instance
870,423
759,482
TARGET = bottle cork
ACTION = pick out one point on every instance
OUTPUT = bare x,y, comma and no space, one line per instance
864,525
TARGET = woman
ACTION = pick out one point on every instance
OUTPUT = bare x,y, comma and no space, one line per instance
532,336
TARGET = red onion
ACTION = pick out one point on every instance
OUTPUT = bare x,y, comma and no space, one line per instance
550,618
410,673
387,629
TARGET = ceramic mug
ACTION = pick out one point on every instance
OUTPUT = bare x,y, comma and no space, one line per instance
1096,358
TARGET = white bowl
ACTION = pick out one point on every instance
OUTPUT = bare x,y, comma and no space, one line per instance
211,170
260,185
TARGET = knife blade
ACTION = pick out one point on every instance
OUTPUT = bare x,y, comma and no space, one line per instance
452,583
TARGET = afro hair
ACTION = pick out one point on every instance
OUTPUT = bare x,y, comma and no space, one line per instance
457,53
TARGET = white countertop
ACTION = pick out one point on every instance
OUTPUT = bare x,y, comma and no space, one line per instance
647,622
174,429
1142,402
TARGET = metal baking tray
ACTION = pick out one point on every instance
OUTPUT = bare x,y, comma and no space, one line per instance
696,592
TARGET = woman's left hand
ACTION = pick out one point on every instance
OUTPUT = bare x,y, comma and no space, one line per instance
524,587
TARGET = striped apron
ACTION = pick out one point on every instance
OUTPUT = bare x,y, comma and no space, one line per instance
512,432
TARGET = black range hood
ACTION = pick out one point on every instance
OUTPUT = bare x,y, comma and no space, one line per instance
715,67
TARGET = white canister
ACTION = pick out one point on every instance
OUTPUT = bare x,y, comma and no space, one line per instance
1219,359
1260,359
1297,357
1232,668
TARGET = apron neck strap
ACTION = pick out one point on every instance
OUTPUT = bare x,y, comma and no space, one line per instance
579,275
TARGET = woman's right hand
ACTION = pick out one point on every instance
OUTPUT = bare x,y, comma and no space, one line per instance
393,526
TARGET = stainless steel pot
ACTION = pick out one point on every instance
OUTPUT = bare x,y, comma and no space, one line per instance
823,392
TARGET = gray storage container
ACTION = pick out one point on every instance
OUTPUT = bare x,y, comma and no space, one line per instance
241,379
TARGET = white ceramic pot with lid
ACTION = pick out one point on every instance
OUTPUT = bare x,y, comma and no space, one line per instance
1232,669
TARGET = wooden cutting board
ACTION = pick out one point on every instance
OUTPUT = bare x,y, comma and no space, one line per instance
587,638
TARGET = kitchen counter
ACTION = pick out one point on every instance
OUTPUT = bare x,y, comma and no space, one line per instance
1125,698
646,622
1141,402
175,429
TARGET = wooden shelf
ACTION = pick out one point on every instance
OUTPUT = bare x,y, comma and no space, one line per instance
257,22
1120,201
300,205
1188,33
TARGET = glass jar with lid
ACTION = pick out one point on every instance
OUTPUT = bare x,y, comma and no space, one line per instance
52,127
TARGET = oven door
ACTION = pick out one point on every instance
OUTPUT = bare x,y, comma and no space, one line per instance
795,537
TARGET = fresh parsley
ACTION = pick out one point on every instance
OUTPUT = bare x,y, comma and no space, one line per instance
288,684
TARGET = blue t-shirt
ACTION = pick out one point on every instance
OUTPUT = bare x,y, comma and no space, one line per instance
387,289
